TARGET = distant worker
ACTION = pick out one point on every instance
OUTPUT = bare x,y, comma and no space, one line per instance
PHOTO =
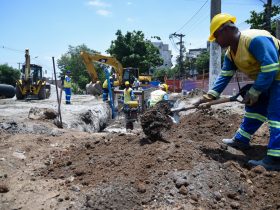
158,95
136,84
105,88
255,53
128,94
67,84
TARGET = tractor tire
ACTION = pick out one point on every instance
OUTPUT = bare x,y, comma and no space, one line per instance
7,91
19,95
42,93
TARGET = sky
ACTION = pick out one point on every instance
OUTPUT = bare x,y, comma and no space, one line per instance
48,27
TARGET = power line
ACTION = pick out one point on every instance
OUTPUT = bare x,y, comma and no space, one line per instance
11,49
192,16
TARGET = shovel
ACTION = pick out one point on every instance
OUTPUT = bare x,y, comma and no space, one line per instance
207,105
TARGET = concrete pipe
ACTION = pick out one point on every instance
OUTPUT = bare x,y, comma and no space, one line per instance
7,91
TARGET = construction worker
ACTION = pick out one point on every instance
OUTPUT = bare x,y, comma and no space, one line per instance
128,94
255,53
67,87
136,84
105,88
158,95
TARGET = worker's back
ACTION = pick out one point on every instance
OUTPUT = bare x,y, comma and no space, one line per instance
156,96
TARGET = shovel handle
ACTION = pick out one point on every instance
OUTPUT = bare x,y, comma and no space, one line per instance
218,101
204,105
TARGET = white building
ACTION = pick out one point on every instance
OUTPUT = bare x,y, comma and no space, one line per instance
165,54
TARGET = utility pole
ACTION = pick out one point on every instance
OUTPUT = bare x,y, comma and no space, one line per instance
278,29
19,65
181,51
215,49
268,16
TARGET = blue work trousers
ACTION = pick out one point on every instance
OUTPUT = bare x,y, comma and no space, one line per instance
266,109
68,95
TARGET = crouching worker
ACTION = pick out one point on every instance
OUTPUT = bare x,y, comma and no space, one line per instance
158,95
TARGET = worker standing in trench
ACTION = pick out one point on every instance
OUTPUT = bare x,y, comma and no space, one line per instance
255,53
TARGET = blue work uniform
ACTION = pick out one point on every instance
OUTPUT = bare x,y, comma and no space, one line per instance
257,56
67,89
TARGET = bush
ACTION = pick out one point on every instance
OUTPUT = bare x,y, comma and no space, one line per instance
8,75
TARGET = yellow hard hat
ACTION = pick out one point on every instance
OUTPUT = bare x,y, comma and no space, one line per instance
126,83
217,21
164,86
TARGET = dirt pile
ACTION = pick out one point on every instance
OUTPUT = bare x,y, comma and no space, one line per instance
127,171
156,120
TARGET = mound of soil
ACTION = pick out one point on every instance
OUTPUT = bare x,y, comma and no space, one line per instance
156,120
46,168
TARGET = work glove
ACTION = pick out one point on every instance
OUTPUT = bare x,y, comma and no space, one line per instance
251,97
205,98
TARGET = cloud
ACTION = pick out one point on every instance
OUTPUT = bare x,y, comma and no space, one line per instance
103,12
129,19
98,3
129,3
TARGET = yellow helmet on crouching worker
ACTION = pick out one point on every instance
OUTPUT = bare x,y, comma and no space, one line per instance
126,83
164,86
217,21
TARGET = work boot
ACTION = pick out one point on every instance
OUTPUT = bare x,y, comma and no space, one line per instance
270,163
239,145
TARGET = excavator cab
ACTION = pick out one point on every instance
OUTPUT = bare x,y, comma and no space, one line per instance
129,74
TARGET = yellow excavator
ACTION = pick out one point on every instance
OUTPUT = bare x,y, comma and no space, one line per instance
123,74
32,84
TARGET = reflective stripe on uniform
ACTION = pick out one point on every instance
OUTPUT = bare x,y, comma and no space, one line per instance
270,68
274,124
273,152
244,133
227,73
255,116
214,93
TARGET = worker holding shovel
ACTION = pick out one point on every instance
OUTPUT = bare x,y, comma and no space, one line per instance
255,53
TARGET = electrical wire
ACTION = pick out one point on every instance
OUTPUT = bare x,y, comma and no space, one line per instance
11,49
192,16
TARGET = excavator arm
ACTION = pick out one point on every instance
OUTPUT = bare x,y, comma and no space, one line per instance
106,60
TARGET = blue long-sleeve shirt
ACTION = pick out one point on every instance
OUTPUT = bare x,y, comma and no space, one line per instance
256,56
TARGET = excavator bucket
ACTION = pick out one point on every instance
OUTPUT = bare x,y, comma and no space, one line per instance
94,88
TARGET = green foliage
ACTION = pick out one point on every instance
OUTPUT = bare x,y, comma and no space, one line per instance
72,61
8,75
76,89
133,50
258,19
202,62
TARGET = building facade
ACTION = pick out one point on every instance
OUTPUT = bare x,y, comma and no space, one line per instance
165,54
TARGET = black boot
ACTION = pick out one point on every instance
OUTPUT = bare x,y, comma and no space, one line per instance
270,163
236,144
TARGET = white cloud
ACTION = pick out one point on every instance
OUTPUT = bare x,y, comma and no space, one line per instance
98,3
103,12
129,19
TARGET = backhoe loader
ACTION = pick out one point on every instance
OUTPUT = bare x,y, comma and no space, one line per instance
32,84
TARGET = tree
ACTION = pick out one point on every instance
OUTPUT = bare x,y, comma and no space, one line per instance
202,62
8,75
133,50
262,20
72,61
